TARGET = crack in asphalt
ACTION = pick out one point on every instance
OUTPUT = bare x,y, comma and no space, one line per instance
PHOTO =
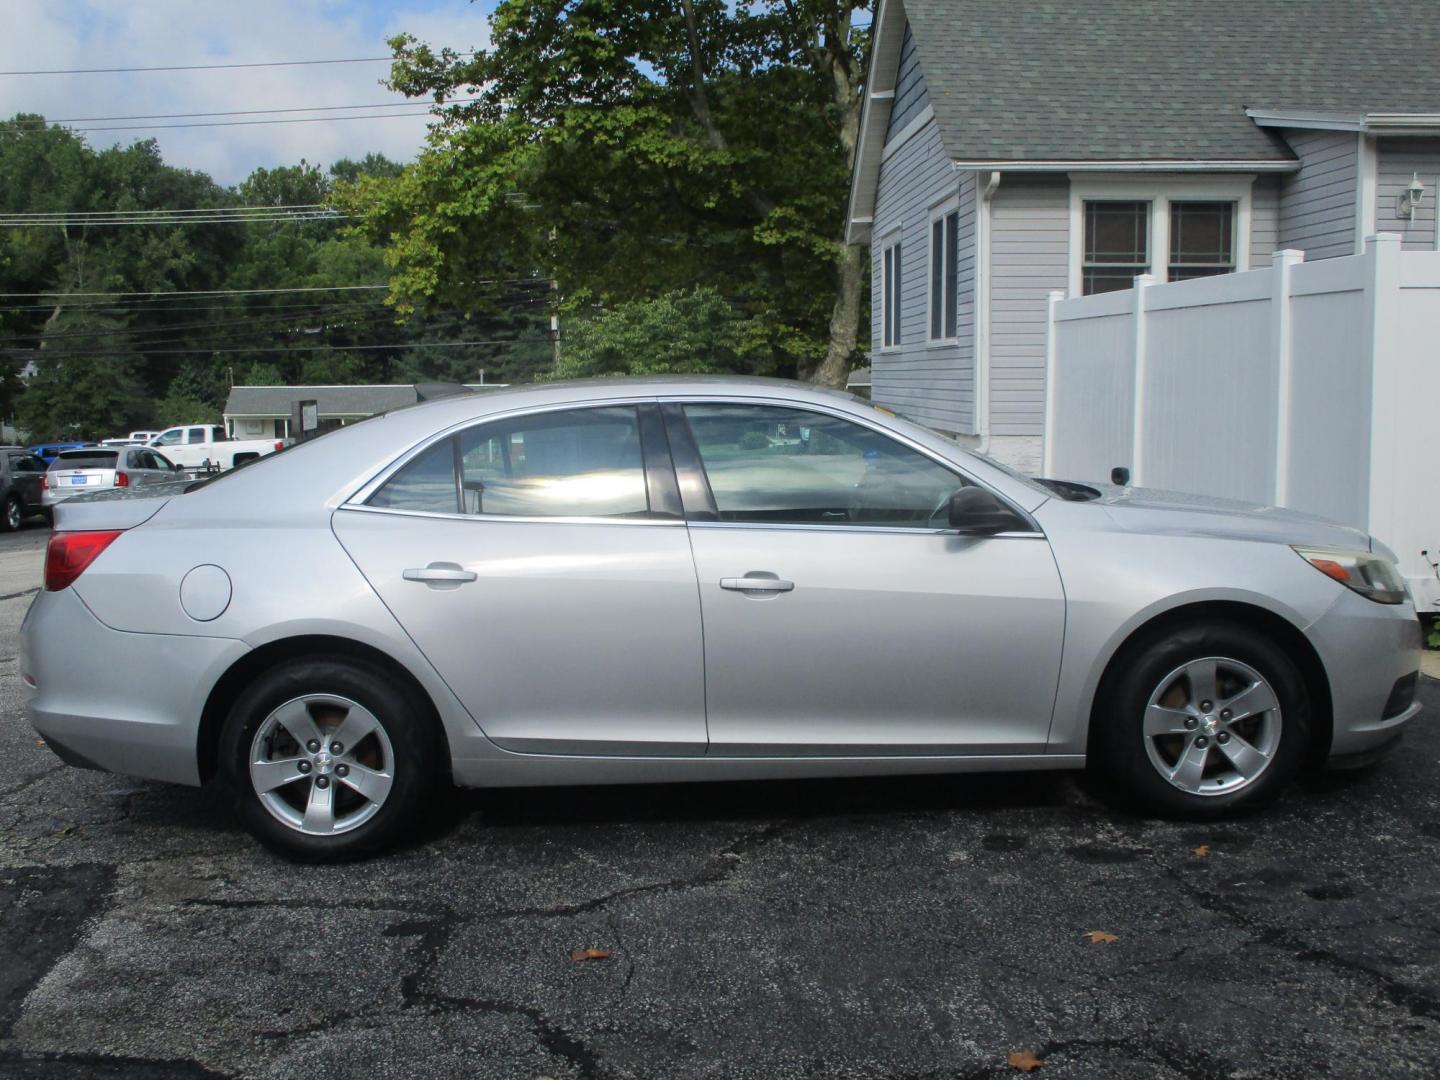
723,866
37,778
1419,1003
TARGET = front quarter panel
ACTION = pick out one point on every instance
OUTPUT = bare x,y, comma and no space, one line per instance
1117,581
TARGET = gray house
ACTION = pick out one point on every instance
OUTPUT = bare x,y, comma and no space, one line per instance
1011,149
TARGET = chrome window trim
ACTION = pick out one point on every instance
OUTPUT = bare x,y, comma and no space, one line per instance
627,521
899,530
357,498
862,421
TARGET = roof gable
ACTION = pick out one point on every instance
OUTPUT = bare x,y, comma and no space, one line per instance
1166,81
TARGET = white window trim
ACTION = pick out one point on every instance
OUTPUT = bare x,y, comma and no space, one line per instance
1159,192
938,212
890,238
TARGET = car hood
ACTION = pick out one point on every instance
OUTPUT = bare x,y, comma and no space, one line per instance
1149,510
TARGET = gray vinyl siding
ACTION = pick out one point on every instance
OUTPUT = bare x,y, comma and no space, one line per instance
1398,161
1029,257
931,383
1264,221
911,96
1317,204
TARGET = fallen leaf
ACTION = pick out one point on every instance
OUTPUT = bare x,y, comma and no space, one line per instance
580,955
1024,1060
40,743
1201,851
1100,937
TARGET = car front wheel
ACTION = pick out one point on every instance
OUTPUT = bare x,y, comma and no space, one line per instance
1202,721
328,761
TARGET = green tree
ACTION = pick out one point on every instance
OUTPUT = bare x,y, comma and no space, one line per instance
627,149
696,331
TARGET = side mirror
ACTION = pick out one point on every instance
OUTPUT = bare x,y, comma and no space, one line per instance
974,511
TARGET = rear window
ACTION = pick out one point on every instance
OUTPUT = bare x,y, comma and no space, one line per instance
85,459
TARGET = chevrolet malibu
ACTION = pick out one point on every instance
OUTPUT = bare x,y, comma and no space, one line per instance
690,579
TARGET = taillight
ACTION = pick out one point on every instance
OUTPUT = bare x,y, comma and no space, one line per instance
279,445
44,481
69,553
122,479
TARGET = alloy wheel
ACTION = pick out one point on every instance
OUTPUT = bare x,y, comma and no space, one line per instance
1212,726
322,764
12,515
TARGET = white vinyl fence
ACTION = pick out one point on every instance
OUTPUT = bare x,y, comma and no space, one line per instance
1314,386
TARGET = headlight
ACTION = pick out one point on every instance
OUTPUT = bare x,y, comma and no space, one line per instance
1372,576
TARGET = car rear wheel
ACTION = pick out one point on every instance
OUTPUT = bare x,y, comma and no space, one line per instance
1201,721
327,760
12,514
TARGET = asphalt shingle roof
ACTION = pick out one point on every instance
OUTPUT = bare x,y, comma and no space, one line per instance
330,400
1117,80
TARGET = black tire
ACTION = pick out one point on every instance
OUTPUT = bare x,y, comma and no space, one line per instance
414,749
1118,743
12,513
48,513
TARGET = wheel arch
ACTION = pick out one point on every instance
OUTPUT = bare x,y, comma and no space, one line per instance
1285,633
252,664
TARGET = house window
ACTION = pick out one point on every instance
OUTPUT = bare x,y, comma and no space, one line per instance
1202,239
944,294
1117,245
890,296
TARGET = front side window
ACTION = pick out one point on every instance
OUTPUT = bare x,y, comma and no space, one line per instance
773,465
944,282
571,463
890,295
170,438
1117,245
1202,239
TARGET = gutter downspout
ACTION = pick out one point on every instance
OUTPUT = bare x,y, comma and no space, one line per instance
986,183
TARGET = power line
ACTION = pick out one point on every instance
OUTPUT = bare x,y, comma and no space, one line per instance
204,292
46,355
41,122
180,293
251,123
172,220
200,67
161,210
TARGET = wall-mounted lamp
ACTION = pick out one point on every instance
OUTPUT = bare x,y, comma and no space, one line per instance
1410,198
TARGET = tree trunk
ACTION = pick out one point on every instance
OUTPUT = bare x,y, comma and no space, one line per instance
835,61
844,317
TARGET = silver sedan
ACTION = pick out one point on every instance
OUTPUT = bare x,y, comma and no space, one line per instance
674,579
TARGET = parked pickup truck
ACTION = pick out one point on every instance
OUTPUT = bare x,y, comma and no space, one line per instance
206,446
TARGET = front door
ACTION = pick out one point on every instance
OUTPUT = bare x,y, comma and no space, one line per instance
541,565
841,616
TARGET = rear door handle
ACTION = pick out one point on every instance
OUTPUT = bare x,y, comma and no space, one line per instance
753,582
441,575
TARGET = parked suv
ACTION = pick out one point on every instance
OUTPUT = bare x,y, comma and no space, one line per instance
20,487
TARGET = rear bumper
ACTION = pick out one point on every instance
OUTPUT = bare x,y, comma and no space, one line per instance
1367,649
121,702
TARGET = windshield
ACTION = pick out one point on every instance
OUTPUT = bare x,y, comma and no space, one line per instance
1014,474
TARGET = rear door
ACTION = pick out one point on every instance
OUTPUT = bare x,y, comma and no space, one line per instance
26,471
541,563
842,616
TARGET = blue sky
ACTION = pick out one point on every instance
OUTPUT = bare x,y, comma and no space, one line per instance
48,34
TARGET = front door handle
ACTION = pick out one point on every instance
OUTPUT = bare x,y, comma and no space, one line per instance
441,575
756,582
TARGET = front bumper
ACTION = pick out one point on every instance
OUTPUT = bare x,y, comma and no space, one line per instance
122,702
1367,649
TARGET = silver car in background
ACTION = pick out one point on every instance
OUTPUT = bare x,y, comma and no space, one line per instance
100,468
695,579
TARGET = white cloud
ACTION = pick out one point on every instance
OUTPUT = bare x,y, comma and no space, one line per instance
47,34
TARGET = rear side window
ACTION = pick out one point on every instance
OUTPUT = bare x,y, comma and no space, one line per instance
85,459
197,434
571,463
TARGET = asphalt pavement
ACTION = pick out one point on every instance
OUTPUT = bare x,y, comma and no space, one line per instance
868,929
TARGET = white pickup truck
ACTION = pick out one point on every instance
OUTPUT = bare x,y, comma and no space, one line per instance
206,446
